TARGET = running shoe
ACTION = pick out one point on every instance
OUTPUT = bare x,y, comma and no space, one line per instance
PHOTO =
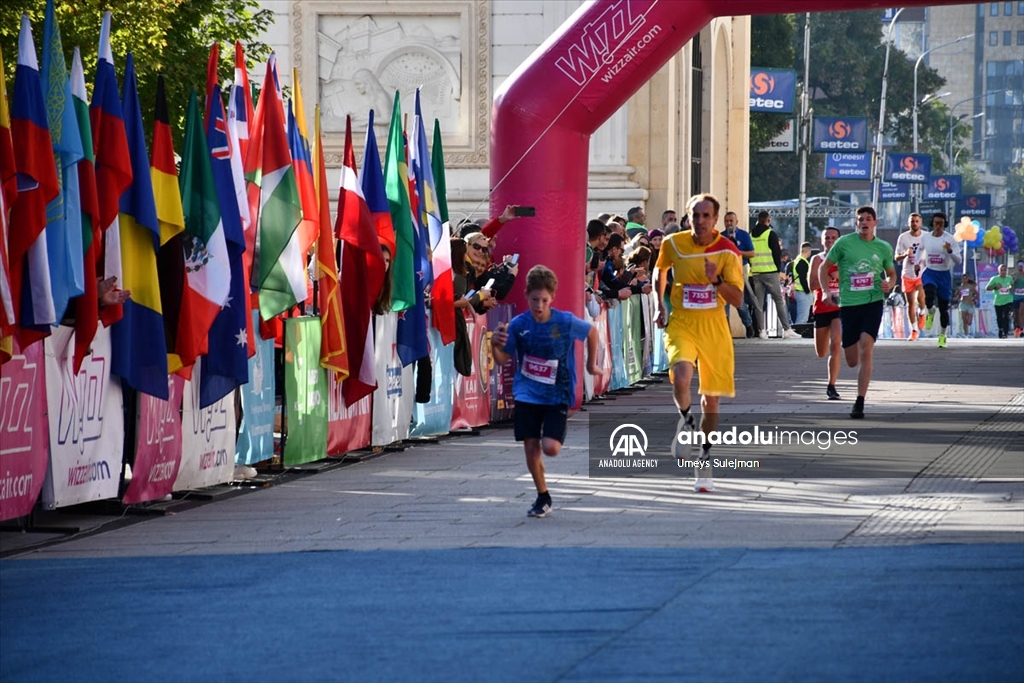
913,335
858,409
541,507
921,321
928,320
942,341
831,392
681,451
704,482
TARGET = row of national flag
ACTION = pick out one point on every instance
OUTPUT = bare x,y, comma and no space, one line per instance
238,224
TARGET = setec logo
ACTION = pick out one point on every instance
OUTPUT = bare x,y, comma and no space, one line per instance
941,184
908,164
839,131
628,441
908,169
762,84
973,202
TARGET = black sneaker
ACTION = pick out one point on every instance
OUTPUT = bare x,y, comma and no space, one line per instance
858,410
541,508
831,392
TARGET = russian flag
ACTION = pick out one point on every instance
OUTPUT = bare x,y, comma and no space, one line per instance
37,187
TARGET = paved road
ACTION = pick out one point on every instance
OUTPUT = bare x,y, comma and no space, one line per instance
907,564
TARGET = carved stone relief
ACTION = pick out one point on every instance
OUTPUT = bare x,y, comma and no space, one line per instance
355,55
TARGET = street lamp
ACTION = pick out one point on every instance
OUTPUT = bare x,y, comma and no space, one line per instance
952,127
916,65
877,175
953,108
916,190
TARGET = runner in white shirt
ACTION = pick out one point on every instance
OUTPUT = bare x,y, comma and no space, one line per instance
908,249
937,255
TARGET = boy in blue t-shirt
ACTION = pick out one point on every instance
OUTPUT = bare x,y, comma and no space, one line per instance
544,342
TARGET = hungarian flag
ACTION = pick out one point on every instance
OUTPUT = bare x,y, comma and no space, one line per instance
8,193
226,365
372,179
443,290
113,163
87,307
302,162
37,187
333,352
396,184
139,348
362,270
64,226
281,269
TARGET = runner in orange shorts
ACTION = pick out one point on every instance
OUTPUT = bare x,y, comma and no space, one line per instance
908,252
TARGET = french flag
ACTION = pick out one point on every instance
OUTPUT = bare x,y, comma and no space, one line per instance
37,187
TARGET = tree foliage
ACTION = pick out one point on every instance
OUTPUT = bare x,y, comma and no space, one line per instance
847,60
172,37
1014,207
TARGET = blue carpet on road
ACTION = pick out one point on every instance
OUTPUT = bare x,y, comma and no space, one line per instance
950,612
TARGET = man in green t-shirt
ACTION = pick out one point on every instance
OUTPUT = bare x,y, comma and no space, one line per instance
866,274
1002,285
1018,299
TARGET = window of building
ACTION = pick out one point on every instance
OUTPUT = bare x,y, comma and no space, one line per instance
1007,38
981,10
1020,37
994,9
1008,9
993,38
1020,8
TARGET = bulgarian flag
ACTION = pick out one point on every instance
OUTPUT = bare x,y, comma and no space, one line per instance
207,267
281,270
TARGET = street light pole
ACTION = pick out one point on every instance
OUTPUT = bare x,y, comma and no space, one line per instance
805,123
916,65
879,159
917,189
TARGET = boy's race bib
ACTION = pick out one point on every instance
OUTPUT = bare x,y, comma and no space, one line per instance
862,282
699,296
541,370
936,259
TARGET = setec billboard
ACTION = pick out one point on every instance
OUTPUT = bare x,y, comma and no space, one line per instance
974,205
845,134
772,90
841,166
894,192
907,168
943,187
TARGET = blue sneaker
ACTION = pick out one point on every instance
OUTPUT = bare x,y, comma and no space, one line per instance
541,507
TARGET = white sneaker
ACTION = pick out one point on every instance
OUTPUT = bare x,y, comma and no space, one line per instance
791,334
682,451
763,334
703,483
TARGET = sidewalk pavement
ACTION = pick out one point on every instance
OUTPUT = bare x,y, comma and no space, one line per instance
917,575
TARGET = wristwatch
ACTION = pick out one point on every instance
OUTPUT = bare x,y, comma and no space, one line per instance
720,281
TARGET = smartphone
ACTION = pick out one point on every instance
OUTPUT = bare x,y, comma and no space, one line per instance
470,294
526,211
514,260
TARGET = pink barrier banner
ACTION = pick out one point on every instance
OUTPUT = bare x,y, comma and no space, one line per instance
158,445
24,436
502,401
602,382
472,400
348,427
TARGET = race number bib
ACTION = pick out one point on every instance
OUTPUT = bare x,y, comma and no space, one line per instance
541,370
862,282
699,296
1004,290
936,259
1019,291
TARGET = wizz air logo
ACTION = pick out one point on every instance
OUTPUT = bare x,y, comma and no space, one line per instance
594,47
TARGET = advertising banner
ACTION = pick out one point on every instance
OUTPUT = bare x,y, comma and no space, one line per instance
840,166
207,439
435,416
348,427
392,401
256,434
86,417
472,405
975,205
157,445
772,90
894,192
632,349
305,392
847,134
618,379
907,168
602,382
784,141
502,401
26,437
943,187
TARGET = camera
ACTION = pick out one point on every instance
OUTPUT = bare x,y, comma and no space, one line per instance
526,211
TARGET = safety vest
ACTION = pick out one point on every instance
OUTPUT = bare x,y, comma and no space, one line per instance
796,279
762,261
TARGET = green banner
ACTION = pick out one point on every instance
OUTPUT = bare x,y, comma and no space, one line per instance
632,350
305,392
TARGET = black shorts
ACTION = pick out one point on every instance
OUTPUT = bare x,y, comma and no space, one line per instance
825,319
533,421
866,318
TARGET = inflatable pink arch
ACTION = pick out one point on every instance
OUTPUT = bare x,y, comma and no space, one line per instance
545,113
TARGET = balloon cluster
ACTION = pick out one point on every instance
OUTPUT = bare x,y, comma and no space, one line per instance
966,230
1010,244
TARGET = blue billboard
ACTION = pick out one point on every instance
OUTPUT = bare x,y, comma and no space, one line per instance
907,168
772,90
894,192
943,187
843,134
840,166
974,205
